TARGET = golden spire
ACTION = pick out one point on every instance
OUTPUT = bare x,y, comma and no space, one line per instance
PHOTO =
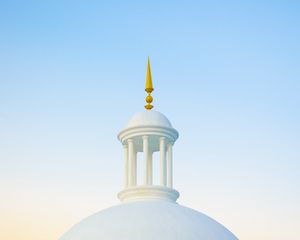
149,88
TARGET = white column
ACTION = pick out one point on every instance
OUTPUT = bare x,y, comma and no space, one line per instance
126,167
131,162
149,180
163,168
170,165
134,168
146,158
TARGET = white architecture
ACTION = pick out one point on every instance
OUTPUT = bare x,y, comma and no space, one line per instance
148,211
148,132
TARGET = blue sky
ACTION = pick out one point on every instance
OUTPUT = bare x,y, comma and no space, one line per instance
225,73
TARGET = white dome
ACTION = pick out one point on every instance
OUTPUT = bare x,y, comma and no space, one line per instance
149,118
148,220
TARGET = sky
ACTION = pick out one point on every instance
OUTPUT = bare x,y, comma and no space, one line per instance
226,74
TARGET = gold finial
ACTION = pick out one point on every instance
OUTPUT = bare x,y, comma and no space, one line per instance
149,88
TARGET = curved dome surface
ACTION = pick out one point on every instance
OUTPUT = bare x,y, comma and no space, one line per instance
149,118
148,220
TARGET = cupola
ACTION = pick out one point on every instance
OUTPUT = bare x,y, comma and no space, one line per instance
148,132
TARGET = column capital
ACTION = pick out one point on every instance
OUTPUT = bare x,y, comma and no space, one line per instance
162,138
146,137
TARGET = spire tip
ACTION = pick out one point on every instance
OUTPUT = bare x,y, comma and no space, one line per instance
149,87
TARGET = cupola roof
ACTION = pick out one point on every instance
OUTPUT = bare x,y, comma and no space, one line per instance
148,118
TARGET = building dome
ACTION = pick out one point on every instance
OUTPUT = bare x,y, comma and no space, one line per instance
148,220
148,118
148,210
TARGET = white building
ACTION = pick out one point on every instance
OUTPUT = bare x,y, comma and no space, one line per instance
148,211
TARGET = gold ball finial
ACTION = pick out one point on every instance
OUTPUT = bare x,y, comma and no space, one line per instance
149,88
149,100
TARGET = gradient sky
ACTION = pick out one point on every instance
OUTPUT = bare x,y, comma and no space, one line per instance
226,73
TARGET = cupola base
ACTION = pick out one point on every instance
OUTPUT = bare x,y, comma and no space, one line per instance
150,192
